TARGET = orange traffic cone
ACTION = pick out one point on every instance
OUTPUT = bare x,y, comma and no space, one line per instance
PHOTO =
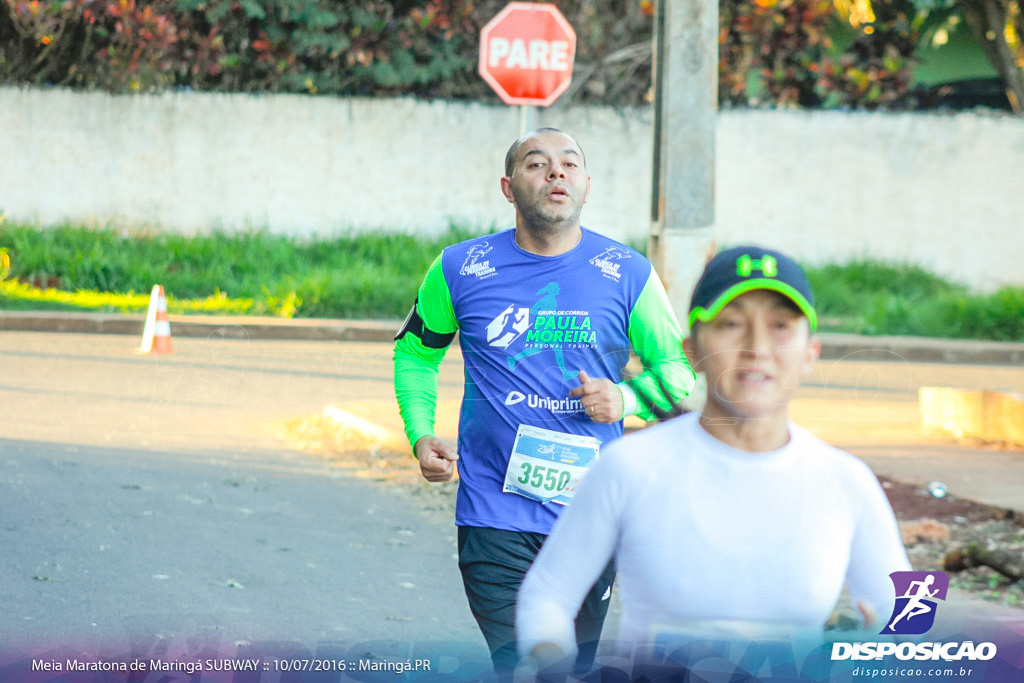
156,336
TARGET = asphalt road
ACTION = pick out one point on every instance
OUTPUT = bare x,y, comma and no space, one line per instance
870,408
148,506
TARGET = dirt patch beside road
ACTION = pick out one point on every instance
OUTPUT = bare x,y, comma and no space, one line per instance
373,457
932,527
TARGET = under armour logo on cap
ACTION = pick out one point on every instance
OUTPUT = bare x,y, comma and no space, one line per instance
746,265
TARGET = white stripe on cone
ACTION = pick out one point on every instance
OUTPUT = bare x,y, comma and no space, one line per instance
156,335
148,330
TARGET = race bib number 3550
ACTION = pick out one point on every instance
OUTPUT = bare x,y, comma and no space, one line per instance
547,466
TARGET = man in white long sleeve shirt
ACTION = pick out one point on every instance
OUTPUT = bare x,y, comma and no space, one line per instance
736,514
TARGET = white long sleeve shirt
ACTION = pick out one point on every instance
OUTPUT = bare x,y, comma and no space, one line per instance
703,531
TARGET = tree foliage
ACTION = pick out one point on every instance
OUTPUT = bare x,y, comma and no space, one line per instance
782,52
998,26
772,52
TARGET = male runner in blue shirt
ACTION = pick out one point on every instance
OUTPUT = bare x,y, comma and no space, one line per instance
547,313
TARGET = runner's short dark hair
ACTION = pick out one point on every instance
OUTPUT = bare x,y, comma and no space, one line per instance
510,156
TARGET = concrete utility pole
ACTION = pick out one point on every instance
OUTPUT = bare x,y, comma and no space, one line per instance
685,107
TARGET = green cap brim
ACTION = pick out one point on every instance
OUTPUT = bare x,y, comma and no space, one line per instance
708,314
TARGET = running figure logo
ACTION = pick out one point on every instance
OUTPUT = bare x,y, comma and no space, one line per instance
916,595
473,265
606,261
547,302
609,254
508,326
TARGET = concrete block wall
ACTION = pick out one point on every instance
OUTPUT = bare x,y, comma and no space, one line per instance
941,191
991,416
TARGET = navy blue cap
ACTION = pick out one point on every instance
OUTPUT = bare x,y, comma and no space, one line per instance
743,269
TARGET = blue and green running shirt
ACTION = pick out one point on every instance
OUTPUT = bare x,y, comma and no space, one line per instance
527,325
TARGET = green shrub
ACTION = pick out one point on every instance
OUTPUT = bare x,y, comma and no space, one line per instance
771,52
373,275
998,316
376,275
869,297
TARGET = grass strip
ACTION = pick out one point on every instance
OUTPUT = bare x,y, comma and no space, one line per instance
375,276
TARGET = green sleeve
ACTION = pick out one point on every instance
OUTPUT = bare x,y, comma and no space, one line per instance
657,339
417,366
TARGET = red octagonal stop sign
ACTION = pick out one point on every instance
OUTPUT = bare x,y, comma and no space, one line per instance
526,53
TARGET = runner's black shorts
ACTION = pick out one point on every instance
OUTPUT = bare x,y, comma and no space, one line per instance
494,563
